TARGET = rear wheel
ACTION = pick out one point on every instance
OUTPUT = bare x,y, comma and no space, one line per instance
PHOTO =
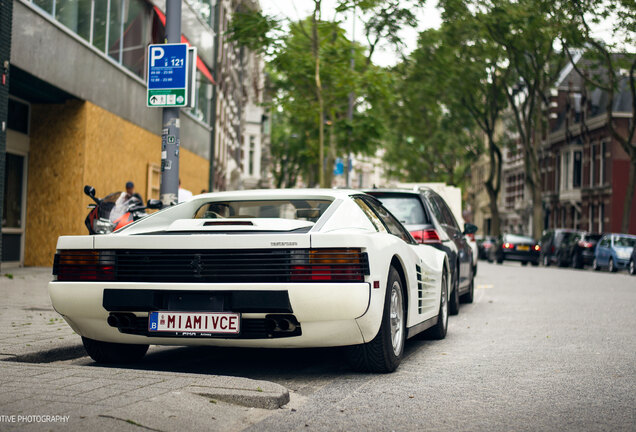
610,265
384,353
632,267
595,265
577,261
453,302
107,352
438,331
524,263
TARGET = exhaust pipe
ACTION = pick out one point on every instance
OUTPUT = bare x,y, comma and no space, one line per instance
282,324
113,320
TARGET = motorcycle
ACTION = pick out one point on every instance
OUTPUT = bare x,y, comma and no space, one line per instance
115,211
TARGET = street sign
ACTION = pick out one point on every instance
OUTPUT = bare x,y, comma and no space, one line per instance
167,75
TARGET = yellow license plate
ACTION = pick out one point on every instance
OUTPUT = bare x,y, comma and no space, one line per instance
523,248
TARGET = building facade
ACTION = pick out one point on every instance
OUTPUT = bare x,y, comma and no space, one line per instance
77,114
584,168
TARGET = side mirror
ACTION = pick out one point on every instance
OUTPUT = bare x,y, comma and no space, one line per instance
154,204
90,191
470,228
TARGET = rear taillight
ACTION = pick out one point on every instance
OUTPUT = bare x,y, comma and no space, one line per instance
585,244
84,265
426,236
537,248
329,265
508,245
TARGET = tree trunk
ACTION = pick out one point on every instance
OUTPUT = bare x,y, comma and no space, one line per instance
631,184
493,184
315,44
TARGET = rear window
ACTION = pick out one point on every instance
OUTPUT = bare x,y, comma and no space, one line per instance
512,238
407,209
309,210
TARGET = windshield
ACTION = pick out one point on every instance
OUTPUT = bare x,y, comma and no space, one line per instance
407,209
309,210
116,204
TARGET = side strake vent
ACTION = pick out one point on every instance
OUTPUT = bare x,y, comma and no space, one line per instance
229,265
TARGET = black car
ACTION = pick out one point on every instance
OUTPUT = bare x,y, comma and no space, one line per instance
516,247
579,249
430,221
551,250
484,245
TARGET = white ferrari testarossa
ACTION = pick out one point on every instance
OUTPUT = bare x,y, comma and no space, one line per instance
266,268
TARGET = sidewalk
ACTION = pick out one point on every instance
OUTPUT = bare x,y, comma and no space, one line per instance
39,394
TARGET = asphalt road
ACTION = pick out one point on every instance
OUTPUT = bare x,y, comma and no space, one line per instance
540,349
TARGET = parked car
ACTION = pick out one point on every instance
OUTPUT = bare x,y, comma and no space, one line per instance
516,247
484,245
275,268
551,251
430,221
580,248
614,251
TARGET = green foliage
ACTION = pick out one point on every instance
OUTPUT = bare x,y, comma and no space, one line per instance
254,30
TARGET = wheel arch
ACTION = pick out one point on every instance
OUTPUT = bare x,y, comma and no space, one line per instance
399,267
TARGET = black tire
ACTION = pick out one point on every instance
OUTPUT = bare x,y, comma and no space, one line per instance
453,302
546,261
108,352
384,353
595,265
560,262
534,263
524,263
438,331
610,266
577,261
470,295
500,260
632,267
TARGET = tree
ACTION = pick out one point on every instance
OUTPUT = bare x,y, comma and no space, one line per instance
607,59
527,32
478,75
313,81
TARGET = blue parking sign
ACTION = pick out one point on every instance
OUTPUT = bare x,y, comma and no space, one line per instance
167,66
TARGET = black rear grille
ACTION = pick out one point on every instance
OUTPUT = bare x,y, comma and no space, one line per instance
252,265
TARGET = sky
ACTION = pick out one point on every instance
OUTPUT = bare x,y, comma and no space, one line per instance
428,17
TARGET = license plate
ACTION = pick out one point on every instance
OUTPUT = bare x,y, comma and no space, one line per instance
523,248
195,322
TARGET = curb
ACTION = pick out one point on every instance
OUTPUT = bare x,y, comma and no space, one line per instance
49,356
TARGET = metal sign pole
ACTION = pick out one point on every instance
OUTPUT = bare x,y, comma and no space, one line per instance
170,134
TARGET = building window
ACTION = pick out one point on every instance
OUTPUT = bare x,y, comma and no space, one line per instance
118,28
204,8
592,163
577,171
590,222
601,211
251,155
603,166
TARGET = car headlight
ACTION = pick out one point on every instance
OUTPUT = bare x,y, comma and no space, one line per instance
623,254
103,226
